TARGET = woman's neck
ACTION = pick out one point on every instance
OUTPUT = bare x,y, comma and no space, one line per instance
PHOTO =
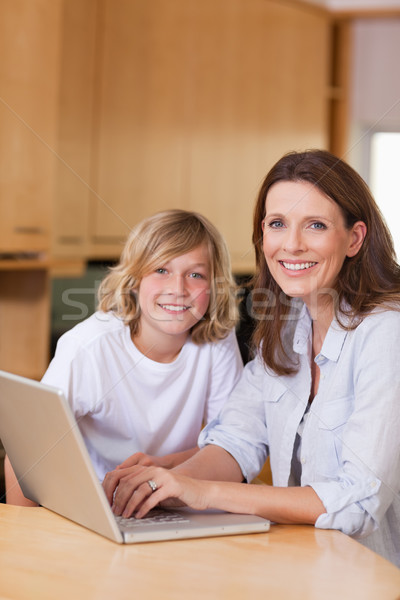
322,314
321,321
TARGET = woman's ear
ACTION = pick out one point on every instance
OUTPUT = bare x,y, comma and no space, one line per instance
359,231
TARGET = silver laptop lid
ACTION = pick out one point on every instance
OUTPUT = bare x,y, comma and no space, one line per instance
51,462
48,455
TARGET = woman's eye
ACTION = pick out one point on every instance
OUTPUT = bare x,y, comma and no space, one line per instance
161,270
196,276
276,224
318,225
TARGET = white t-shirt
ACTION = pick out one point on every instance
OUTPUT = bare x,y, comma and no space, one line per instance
124,402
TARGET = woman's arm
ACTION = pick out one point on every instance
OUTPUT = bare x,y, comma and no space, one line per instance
282,505
278,504
211,463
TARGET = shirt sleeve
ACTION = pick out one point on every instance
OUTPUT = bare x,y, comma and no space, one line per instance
227,366
240,427
368,478
72,369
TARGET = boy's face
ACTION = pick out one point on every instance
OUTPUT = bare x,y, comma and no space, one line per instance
175,296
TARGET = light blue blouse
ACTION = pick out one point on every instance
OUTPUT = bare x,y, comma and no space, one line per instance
350,441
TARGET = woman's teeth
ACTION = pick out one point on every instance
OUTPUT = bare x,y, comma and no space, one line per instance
298,266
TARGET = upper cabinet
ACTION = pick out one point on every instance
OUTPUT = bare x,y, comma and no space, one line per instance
30,50
194,102
111,111
76,106
29,76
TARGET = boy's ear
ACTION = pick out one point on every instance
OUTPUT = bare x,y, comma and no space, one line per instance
359,231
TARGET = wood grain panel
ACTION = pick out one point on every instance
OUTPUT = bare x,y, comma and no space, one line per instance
195,101
29,69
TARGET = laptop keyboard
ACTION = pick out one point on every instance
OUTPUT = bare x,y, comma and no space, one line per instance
154,517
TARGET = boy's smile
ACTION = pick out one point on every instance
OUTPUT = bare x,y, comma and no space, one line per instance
173,298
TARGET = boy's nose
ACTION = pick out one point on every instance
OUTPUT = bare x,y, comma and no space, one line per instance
176,284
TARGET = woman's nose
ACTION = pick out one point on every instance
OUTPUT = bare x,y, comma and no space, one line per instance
294,240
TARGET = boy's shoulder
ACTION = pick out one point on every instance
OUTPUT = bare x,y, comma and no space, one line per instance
225,347
95,327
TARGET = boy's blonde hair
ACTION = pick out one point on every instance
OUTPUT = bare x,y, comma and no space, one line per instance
157,240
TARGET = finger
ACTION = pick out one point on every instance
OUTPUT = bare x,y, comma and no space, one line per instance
125,492
148,504
110,482
131,488
165,491
142,496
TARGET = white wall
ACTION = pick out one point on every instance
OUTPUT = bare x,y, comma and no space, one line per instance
375,107
376,72
375,97
357,4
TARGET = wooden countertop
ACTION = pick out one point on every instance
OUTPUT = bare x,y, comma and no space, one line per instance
45,556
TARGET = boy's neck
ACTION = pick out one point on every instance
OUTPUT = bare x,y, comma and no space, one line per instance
159,350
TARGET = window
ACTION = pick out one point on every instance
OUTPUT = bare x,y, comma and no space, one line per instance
385,179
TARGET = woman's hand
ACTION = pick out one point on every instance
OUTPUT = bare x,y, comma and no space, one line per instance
128,490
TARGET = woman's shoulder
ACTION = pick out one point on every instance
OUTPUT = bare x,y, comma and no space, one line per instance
383,322
386,313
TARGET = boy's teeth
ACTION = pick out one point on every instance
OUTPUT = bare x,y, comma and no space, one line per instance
175,308
298,266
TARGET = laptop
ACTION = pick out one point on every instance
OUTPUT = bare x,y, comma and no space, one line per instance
50,459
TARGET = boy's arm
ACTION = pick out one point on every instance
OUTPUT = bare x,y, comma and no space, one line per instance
169,461
14,493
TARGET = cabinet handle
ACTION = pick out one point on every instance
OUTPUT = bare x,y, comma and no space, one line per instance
30,230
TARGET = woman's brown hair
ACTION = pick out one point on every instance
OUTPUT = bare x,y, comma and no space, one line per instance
367,280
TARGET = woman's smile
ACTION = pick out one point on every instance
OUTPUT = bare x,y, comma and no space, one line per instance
296,267
305,240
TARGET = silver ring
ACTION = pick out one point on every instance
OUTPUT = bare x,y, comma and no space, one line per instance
152,485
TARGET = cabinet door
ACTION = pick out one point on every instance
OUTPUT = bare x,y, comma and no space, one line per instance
142,126
195,102
77,74
25,321
29,69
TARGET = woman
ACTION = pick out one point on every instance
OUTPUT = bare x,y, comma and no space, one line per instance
322,396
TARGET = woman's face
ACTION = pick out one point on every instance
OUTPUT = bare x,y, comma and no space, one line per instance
305,240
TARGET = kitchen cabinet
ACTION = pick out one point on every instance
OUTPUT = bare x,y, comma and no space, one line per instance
194,102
